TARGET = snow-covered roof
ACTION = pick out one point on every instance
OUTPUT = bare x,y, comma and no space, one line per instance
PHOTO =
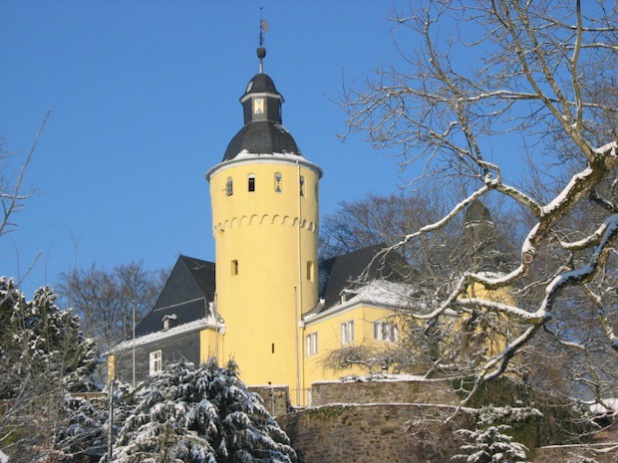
200,324
377,293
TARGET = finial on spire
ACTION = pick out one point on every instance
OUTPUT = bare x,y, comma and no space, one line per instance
261,51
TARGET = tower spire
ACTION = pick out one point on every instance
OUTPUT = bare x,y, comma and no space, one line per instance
261,51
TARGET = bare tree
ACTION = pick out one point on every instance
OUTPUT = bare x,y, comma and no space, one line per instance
12,196
536,79
105,299
373,220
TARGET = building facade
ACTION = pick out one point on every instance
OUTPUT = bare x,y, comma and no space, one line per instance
269,306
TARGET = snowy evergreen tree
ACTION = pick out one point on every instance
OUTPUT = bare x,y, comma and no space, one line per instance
38,337
82,437
490,445
44,359
203,415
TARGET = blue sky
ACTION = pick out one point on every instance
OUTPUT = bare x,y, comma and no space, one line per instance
144,98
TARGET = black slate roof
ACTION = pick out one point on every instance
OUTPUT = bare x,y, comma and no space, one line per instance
263,137
186,295
342,272
191,285
263,132
261,83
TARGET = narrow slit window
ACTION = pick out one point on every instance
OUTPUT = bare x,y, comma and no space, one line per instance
278,182
310,270
229,186
251,183
302,185
234,267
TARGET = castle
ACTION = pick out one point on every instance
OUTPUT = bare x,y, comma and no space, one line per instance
267,303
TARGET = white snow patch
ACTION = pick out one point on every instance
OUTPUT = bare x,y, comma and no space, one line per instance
3,457
382,378
606,406
611,146
244,154
558,200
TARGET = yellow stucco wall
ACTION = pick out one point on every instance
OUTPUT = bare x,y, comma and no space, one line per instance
209,344
266,254
328,328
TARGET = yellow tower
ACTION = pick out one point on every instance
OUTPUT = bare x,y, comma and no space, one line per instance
265,222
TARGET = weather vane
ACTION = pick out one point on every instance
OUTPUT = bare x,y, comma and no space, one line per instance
261,51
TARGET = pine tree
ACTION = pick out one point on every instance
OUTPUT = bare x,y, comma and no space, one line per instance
203,415
490,445
44,359
38,337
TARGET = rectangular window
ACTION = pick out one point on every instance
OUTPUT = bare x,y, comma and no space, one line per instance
302,186
229,187
385,331
311,344
156,362
347,332
251,183
258,106
234,267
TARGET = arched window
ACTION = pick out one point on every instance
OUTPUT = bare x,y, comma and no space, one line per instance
278,182
229,186
251,183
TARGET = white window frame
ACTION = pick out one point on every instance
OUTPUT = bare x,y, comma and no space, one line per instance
311,344
156,362
347,332
385,331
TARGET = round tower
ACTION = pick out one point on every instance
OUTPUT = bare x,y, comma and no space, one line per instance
264,197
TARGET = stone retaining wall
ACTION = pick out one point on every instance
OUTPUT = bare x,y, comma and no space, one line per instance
275,398
409,391
562,453
370,433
